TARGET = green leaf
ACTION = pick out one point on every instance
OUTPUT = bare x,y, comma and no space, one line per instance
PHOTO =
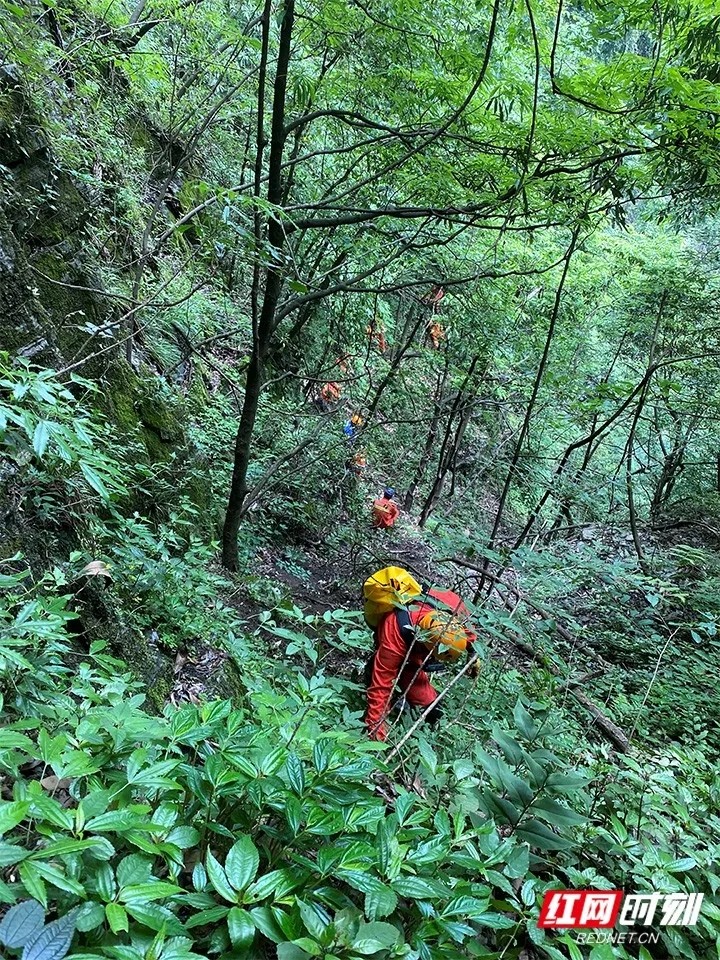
11,814
116,917
384,935
219,879
295,774
105,882
94,480
61,848
147,892
156,917
10,854
33,882
540,836
91,915
380,903
183,837
133,869
364,882
524,722
240,927
41,435
289,951
199,877
315,923
558,813
53,941
207,917
418,888
265,921
21,923
58,879
241,863
603,951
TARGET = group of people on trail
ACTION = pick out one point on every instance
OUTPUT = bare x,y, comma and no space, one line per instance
416,629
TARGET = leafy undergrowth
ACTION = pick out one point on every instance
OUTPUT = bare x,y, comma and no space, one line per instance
267,824
239,831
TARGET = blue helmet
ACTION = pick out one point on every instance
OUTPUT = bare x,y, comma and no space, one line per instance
389,493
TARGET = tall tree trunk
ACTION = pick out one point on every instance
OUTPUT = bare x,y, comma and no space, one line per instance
265,327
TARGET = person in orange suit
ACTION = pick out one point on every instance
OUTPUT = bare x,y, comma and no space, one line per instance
385,511
406,642
375,332
437,334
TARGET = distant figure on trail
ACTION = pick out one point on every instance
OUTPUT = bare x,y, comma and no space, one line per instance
375,332
436,333
328,396
357,463
352,428
411,638
385,512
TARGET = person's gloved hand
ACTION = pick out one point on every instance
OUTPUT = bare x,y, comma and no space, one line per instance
474,671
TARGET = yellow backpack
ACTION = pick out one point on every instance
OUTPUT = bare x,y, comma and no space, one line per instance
385,591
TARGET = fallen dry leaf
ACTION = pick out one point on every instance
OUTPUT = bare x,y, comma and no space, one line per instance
53,783
96,568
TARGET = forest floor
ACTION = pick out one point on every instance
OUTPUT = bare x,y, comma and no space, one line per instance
314,579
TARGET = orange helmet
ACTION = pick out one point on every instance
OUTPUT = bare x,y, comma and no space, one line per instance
443,634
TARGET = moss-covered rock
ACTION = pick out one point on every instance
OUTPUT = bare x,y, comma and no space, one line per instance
101,617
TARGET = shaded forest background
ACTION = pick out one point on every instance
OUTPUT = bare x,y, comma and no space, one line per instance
494,227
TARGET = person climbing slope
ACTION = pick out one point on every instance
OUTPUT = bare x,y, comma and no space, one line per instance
352,428
431,626
385,511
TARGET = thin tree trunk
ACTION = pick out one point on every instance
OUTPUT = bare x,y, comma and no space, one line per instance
267,320
429,440
385,382
630,445
447,451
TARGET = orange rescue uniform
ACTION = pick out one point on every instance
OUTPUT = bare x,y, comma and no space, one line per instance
385,513
386,665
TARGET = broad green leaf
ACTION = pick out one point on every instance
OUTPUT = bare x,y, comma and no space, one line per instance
540,836
147,892
265,921
315,923
133,869
116,917
218,879
295,774
241,863
240,927
21,923
380,903
156,917
53,941
91,915
33,882
94,479
40,438
11,814
419,888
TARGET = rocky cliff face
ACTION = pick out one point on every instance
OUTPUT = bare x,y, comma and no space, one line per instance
53,308
49,294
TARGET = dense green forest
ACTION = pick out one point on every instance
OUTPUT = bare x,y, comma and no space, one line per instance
260,261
